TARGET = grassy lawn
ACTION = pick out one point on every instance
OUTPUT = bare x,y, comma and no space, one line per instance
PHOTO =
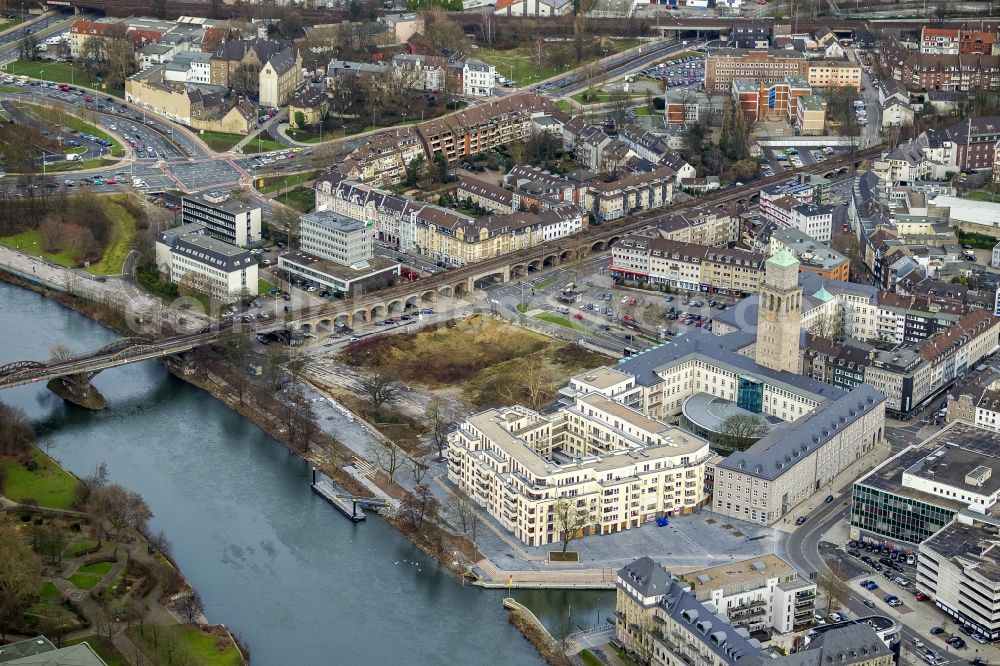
49,485
522,307
29,242
519,64
106,651
302,199
83,581
97,568
114,255
264,145
303,136
60,72
263,286
600,96
544,283
210,647
983,195
122,235
565,105
49,590
220,142
588,658
275,183
80,548
560,321
7,24
72,122
79,165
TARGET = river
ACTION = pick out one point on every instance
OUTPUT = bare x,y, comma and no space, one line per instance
282,569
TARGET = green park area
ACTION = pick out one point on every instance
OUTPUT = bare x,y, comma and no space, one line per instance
263,286
206,646
220,142
60,72
275,183
305,136
41,480
527,69
113,256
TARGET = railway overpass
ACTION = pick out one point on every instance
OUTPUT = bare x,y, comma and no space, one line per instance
452,284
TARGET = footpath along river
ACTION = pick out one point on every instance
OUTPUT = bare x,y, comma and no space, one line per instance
300,584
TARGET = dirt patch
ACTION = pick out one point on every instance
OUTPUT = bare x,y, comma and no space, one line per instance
737,533
710,521
727,526
490,362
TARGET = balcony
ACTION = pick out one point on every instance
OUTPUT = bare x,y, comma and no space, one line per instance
803,597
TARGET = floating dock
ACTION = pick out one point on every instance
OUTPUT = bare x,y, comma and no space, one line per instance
343,501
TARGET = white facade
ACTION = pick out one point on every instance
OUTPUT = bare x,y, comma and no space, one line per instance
340,239
533,7
617,468
813,220
229,219
196,261
478,78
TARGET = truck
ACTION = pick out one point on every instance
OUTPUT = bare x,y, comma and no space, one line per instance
72,157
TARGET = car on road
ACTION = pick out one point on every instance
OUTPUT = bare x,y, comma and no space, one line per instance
869,603
829,498
801,519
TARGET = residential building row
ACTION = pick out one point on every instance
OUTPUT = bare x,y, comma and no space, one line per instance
653,260
187,33
934,70
797,203
443,234
701,618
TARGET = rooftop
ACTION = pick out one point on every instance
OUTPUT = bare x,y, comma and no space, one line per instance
732,573
968,547
312,262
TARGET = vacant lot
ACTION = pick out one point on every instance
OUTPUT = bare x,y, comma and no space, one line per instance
493,363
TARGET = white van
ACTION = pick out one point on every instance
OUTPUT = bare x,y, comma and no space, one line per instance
562,309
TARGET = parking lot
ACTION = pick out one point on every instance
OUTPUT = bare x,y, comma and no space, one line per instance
687,72
785,158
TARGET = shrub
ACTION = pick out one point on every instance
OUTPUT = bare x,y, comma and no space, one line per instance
31,465
75,527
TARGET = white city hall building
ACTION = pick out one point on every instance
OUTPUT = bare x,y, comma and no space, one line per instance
188,256
615,467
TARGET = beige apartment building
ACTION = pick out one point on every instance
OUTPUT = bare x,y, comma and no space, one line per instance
686,265
724,65
834,74
702,226
617,468
459,239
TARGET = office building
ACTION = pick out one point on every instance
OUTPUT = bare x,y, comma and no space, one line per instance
918,491
331,236
813,256
192,259
226,216
724,65
960,570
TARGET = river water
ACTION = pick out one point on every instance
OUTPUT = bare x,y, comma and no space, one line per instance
280,567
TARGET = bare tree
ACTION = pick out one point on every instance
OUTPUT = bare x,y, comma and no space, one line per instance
834,588
388,456
16,431
439,425
120,508
191,606
827,325
380,388
570,519
273,359
419,469
464,513
740,430
415,508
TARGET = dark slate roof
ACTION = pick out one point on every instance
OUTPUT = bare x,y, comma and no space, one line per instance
235,49
213,252
850,644
731,645
711,347
283,61
783,447
646,576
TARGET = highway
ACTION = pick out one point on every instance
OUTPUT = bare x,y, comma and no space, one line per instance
614,67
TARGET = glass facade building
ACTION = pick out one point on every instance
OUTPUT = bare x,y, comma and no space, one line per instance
750,395
895,517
